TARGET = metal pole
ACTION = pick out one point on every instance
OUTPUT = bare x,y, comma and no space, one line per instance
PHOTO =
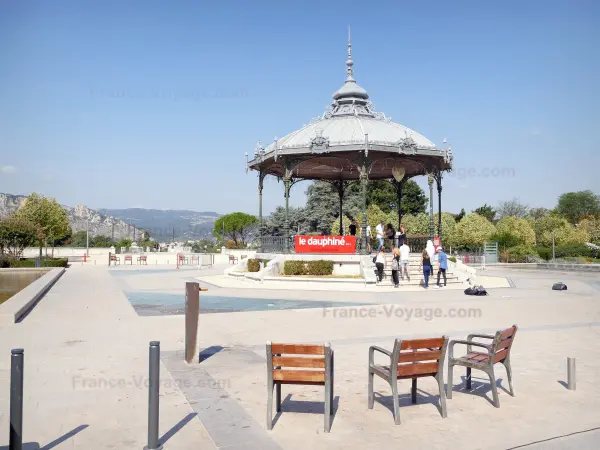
87,237
553,254
153,393
571,374
430,182
16,399
192,311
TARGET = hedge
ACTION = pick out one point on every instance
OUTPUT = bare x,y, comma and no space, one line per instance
316,268
452,258
17,263
295,268
253,265
320,268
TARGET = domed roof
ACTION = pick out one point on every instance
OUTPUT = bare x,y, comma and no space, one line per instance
331,144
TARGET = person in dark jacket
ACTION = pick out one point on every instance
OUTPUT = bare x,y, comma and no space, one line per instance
391,234
427,267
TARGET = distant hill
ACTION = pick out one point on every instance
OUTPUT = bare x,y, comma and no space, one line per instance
124,223
162,224
99,224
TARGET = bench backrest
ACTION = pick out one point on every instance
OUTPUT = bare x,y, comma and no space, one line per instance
128,257
503,342
419,357
113,258
299,363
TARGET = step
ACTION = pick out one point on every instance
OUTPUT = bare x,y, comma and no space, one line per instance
387,281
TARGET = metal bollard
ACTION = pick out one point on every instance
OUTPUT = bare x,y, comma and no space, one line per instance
16,399
571,374
153,393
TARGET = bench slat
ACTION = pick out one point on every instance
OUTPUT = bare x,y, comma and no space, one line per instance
307,362
507,333
504,344
430,355
415,344
500,355
314,376
297,349
405,370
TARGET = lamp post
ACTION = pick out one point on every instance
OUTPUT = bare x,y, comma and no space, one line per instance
87,236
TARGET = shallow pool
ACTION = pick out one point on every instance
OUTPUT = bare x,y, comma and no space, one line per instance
160,303
13,281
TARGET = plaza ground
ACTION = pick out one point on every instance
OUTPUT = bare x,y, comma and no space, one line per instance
86,362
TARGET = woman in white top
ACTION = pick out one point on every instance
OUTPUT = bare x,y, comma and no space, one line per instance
380,264
430,249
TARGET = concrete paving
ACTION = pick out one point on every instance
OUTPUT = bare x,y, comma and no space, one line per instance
84,334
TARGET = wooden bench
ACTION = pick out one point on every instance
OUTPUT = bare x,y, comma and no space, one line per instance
233,259
128,258
182,260
497,351
115,259
414,359
299,364
142,259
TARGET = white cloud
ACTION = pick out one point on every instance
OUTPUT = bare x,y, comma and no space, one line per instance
8,169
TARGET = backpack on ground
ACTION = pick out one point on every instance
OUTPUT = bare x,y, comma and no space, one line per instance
476,290
560,286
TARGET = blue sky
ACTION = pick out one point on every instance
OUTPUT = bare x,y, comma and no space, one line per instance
152,103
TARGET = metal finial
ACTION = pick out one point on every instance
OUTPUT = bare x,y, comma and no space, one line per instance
349,62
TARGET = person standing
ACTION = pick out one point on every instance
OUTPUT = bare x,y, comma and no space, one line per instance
401,235
442,265
391,234
379,232
353,228
404,261
395,267
427,267
369,237
380,264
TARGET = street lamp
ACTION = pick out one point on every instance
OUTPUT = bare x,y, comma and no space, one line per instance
87,236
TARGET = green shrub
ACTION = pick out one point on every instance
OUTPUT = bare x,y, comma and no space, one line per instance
18,263
320,267
452,258
573,250
519,253
544,252
253,265
294,268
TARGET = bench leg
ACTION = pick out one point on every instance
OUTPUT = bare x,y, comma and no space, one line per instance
395,401
270,405
278,396
413,391
332,382
509,375
371,400
327,425
440,380
468,379
450,385
494,387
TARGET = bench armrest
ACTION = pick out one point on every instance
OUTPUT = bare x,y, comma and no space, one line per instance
483,336
372,351
468,344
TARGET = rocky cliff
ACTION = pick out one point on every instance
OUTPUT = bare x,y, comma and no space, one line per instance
100,225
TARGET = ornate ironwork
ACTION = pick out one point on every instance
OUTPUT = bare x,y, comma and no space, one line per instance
407,146
276,244
319,143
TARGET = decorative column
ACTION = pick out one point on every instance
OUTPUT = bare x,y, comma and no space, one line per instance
287,182
431,226
399,185
439,189
341,188
364,180
261,178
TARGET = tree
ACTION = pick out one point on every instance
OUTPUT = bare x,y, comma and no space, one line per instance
519,230
383,194
538,213
592,227
448,228
575,206
486,211
16,233
204,246
346,221
512,208
50,218
416,225
473,231
125,242
79,239
564,232
104,242
460,215
238,227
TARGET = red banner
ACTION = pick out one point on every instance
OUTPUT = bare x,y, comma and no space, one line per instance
325,244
